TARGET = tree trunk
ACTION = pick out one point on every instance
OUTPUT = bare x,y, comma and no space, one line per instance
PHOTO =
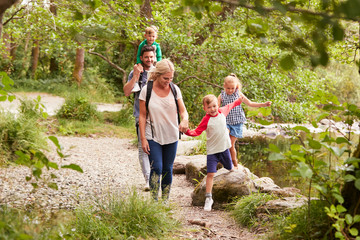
1,23
35,58
79,65
350,193
53,8
146,11
4,5
54,65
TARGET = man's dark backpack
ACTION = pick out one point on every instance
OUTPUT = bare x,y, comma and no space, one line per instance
148,95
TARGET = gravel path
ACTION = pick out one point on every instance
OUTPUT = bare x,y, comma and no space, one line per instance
111,166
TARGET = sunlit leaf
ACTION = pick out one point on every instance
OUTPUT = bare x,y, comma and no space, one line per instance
340,140
264,122
73,167
274,148
276,156
348,219
314,144
53,186
295,147
340,208
353,231
349,178
301,128
305,171
322,116
11,98
53,165
337,151
55,141
356,218
352,160
287,62
357,184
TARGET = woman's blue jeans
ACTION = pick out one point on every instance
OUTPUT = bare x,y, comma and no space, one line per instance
161,164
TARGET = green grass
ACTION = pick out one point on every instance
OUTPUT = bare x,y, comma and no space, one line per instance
90,128
37,224
244,209
299,225
125,217
129,216
97,89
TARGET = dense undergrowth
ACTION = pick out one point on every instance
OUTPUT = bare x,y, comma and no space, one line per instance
22,132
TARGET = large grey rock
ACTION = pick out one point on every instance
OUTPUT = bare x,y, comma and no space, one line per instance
281,205
226,186
267,185
195,170
187,147
181,161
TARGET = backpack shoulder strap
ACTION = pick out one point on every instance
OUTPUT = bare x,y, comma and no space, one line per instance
173,90
148,94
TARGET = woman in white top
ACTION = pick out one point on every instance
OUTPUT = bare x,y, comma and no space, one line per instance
159,127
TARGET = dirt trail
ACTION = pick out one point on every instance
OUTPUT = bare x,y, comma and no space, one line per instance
110,166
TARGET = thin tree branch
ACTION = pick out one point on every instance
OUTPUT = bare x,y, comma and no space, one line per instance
13,16
199,79
111,64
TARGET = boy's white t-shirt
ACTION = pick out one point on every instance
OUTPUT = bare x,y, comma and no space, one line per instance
163,115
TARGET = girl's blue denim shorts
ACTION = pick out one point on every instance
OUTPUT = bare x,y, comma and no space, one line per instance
236,130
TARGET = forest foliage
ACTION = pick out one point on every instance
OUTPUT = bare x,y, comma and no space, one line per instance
272,47
289,52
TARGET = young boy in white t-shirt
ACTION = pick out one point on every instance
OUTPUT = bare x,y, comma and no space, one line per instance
218,141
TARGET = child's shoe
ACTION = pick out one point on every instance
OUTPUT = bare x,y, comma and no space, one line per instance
208,204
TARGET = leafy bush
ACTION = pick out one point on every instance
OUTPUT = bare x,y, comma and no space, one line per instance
244,209
345,81
78,108
303,223
125,217
21,133
124,117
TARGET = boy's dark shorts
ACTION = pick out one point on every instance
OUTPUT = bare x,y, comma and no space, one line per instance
224,158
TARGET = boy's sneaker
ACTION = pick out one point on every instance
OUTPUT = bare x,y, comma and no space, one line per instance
208,204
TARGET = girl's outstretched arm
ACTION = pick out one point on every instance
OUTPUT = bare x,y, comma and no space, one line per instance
227,108
254,104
